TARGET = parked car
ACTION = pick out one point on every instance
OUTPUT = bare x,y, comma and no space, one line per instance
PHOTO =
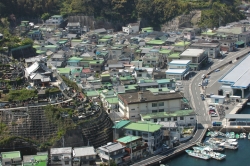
217,70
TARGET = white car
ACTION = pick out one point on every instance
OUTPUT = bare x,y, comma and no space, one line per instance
199,84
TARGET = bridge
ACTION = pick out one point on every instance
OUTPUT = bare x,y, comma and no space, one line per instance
165,155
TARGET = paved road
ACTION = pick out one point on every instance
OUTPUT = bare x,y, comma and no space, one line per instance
161,156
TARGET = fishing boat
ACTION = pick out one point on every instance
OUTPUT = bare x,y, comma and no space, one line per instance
227,134
243,135
208,151
221,134
211,145
237,136
230,144
197,153
232,135
248,135
214,134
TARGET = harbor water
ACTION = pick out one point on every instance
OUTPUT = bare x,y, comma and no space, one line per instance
241,156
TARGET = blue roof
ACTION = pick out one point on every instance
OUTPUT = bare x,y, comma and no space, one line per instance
121,124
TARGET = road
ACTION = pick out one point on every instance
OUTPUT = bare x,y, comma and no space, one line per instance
161,156
192,92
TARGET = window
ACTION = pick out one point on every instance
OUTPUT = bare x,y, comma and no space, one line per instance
169,119
153,111
162,119
161,103
66,162
175,118
161,110
191,118
155,120
154,104
181,118
139,75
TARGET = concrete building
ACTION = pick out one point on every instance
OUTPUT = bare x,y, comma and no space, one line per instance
55,20
181,46
189,34
212,50
149,132
134,146
131,28
236,81
84,156
61,156
178,69
227,45
11,158
112,151
74,28
217,99
131,105
41,159
196,56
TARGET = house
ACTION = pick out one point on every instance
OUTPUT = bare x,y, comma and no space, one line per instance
117,51
227,45
55,20
152,58
74,28
34,34
38,74
61,156
131,28
171,132
159,75
118,130
189,34
104,42
182,117
141,73
181,46
134,146
143,84
84,156
74,61
112,151
40,159
178,69
166,83
30,61
132,104
196,56
149,132
173,56
66,72
244,38
11,158
212,50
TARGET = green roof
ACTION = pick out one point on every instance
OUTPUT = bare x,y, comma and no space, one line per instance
113,100
178,113
121,124
138,51
128,139
62,41
9,155
239,42
40,52
96,62
163,81
107,37
56,16
209,33
103,40
105,75
184,100
77,70
147,29
75,58
41,157
174,55
164,51
155,42
182,43
76,40
131,87
146,126
126,78
63,70
36,46
41,163
92,93
50,46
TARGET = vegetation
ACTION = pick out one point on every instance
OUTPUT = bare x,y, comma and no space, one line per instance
52,90
21,95
155,11
71,84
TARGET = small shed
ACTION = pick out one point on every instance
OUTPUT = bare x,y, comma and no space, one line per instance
217,99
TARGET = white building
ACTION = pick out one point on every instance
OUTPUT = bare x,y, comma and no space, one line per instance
178,69
55,20
84,155
131,28
131,105
61,156
211,49
217,99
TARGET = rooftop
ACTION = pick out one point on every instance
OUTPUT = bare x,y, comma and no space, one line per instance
143,126
112,147
164,51
182,43
210,45
92,93
192,52
66,150
121,124
84,151
113,100
63,70
175,71
174,55
155,42
178,113
9,155
180,62
162,81
128,139
157,90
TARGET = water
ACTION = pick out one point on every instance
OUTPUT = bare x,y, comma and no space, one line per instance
234,157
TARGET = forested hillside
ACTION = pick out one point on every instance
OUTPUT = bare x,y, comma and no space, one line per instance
155,11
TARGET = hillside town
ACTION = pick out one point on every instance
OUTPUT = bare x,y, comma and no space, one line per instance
125,94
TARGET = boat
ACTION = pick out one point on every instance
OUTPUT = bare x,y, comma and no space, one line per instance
214,134
196,153
232,135
211,145
230,144
237,136
208,134
215,155
243,135
227,134
221,134
248,135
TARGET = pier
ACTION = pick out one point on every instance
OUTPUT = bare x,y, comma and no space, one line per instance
166,155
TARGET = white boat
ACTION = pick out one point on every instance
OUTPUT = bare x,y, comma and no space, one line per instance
229,145
248,135
211,145
208,151
243,135
197,154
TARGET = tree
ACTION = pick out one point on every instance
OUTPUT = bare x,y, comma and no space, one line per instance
45,16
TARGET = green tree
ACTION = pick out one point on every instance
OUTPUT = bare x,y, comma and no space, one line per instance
45,16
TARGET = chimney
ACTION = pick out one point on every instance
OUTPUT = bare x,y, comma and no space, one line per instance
140,96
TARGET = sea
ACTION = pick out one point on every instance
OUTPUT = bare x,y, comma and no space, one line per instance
239,157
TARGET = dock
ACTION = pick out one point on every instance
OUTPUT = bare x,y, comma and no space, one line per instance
168,154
